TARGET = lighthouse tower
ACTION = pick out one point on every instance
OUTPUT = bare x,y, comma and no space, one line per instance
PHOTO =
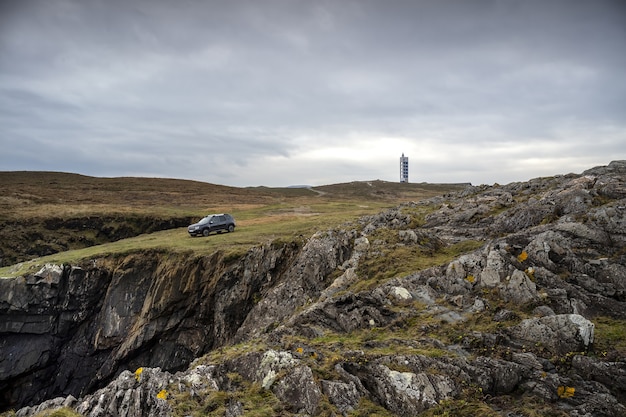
404,168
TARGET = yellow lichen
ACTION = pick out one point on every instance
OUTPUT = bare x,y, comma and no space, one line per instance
138,374
162,395
522,256
470,278
565,392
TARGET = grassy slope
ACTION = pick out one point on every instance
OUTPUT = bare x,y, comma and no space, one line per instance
262,214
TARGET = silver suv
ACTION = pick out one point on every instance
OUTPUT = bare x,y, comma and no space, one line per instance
213,223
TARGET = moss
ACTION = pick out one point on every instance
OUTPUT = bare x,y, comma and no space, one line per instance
461,408
254,399
527,406
393,260
226,353
609,338
370,409
419,214
59,412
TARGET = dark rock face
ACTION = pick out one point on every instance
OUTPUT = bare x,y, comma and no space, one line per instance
517,319
69,330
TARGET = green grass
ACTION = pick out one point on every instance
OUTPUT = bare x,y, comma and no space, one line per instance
460,408
609,337
394,260
254,226
474,404
390,257
28,200
59,412
253,399
367,408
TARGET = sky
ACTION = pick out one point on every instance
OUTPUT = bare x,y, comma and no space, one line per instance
315,92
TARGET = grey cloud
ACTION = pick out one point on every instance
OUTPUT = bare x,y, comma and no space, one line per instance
144,87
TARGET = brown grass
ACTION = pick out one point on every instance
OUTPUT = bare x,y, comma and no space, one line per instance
29,200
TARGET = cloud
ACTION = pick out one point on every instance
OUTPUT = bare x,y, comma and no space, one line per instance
282,92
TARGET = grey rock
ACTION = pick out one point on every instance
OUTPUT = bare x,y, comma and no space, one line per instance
559,334
542,311
129,396
271,364
408,393
502,376
299,391
494,270
345,396
504,315
234,409
518,288
400,295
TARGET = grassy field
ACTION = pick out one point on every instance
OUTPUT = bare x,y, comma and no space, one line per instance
28,200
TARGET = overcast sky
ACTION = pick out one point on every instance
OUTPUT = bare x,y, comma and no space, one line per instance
315,92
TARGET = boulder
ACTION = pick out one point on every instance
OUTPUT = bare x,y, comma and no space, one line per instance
299,391
406,393
344,396
559,334
139,394
518,288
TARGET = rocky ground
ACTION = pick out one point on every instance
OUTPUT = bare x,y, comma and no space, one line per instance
498,300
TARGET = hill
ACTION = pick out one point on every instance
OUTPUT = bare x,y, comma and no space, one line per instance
493,301
42,213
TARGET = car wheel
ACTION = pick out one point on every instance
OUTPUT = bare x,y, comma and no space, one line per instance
231,228
206,232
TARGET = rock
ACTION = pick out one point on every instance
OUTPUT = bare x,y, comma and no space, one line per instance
299,391
407,393
306,278
504,315
235,409
518,288
408,236
542,311
502,376
271,364
400,295
344,396
52,404
491,275
560,334
610,374
142,394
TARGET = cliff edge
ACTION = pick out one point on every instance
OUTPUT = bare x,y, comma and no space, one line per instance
496,300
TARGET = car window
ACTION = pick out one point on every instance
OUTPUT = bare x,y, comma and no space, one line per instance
222,219
206,220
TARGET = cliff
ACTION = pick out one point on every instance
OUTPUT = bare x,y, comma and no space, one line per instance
496,300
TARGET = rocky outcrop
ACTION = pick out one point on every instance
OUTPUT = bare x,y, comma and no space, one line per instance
522,301
68,330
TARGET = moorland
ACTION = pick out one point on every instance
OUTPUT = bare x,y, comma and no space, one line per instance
62,217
